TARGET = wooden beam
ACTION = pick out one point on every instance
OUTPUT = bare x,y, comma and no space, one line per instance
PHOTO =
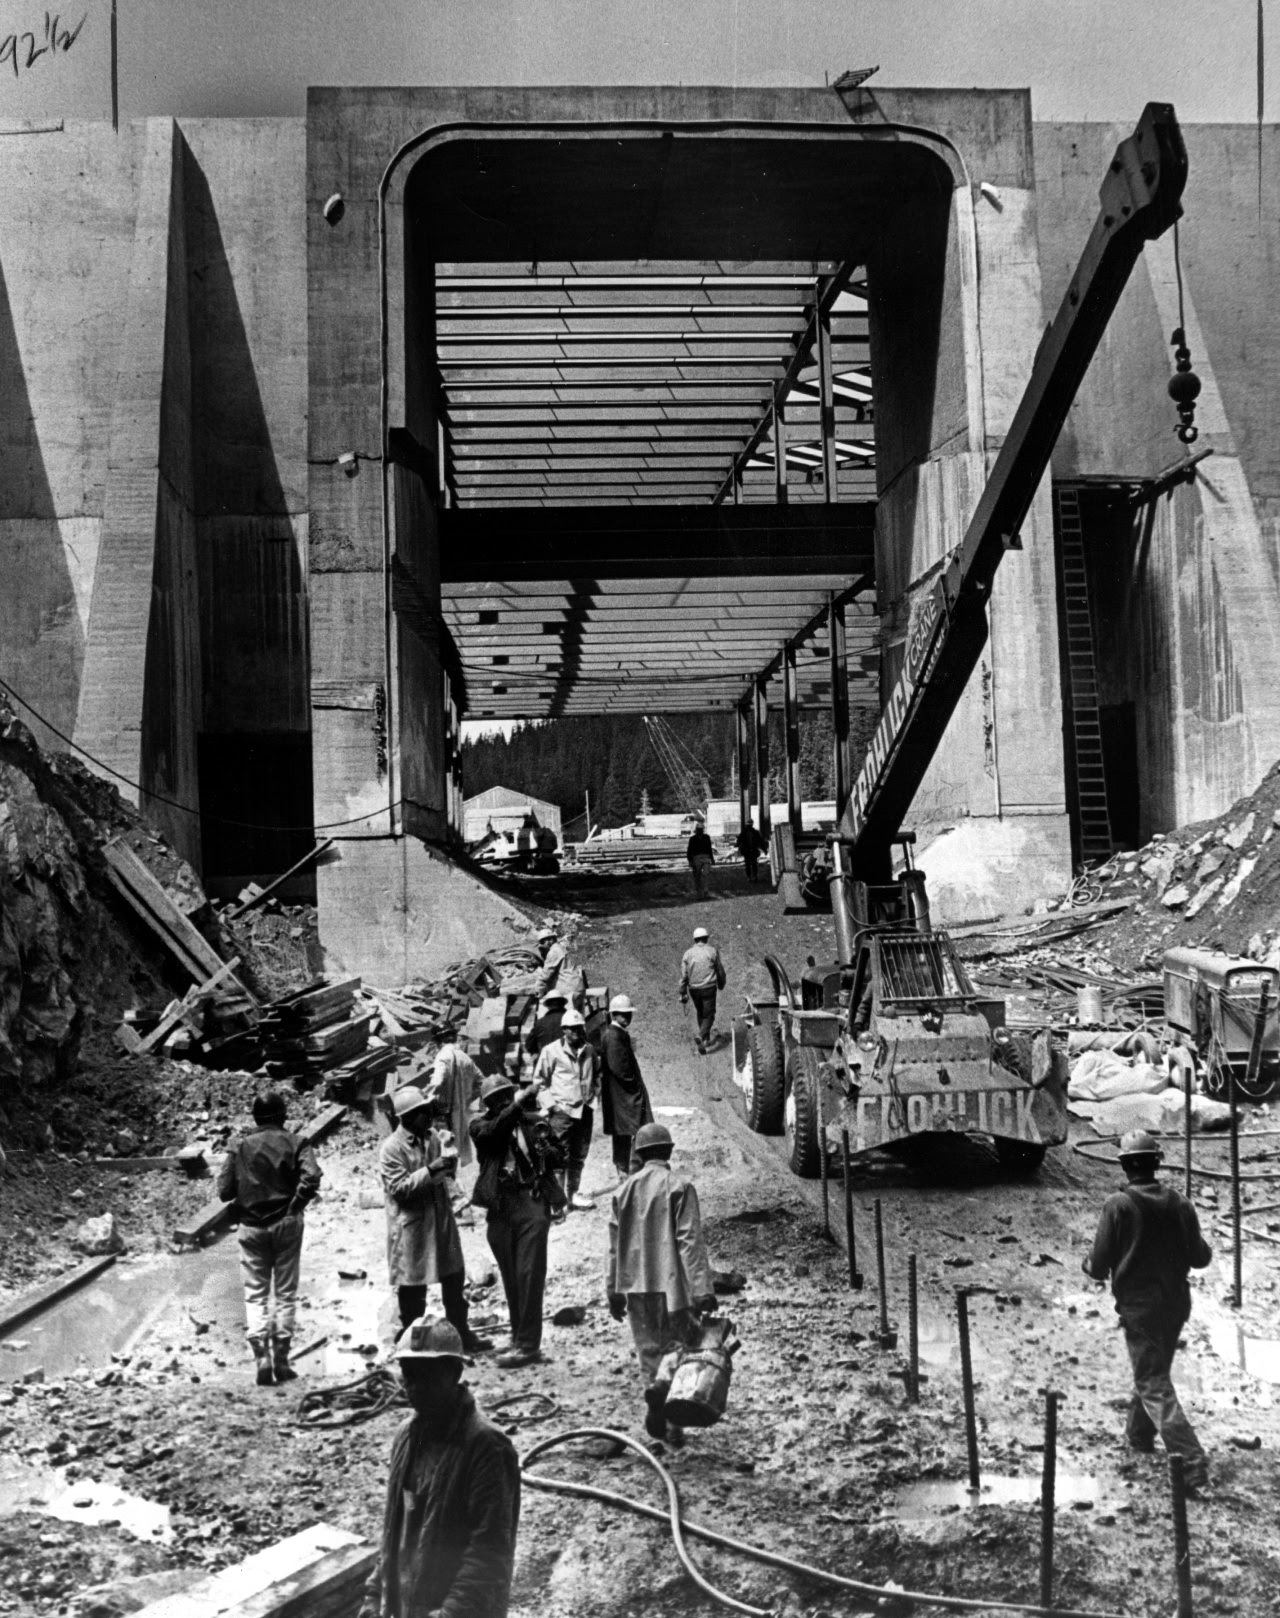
29,1304
319,1573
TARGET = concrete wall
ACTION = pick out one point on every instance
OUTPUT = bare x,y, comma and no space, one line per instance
1186,601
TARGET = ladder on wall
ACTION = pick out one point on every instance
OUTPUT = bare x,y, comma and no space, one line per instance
1084,729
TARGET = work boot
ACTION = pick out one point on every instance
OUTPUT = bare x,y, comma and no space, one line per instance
655,1423
700,1047
280,1350
581,1202
473,1343
262,1355
514,1358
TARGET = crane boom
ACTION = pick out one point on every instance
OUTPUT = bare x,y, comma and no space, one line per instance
1140,199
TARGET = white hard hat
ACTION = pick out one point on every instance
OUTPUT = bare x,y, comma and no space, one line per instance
621,1002
547,932
573,1018
700,932
408,1099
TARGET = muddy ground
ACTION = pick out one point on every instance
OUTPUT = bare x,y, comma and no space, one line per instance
819,1456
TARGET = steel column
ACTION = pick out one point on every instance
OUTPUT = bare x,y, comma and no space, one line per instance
791,711
780,451
737,486
843,770
827,406
744,765
762,756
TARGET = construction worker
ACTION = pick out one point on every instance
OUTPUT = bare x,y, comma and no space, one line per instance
547,1025
701,975
659,1275
701,856
750,844
453,1494
554,957
518,1187
567,1079
452,1087
270,1176
1148,1238
416,1163
624,1100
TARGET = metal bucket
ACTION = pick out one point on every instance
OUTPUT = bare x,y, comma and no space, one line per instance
1089,1005
699,1388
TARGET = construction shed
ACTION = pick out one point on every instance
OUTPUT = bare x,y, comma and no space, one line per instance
502,810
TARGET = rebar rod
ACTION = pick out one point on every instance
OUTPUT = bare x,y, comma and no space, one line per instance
966,1377
880,1281
913,1334
1048,1489
1181,1538
855,1277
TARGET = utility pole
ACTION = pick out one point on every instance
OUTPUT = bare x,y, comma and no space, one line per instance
115,74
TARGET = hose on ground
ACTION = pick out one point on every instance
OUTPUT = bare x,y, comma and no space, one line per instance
544,1407
352,1402
672,1516
1178,1164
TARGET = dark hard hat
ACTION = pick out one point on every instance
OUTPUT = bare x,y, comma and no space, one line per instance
653,1136
269,1108
1137,1143
433,1340
498,1085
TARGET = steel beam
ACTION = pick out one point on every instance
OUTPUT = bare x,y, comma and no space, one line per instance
791,711
780,451
843,764
827,407
762,755
744,765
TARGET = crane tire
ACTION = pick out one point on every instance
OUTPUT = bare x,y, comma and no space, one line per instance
801,1115
767,1096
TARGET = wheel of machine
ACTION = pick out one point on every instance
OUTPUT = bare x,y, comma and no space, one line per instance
767,1095
801,1115
1019,1156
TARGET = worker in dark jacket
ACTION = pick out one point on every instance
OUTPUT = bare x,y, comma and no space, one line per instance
750,844
270,1176
624,1100
453,1495
1148,1238
517,1185
701,975
547,1026
701,856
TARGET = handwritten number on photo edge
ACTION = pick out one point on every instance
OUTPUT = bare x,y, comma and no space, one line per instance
55,40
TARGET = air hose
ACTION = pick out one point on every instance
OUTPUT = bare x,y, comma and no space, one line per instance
893,1599
1179,1164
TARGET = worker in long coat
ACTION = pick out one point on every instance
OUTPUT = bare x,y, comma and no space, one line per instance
624,1100
423,1245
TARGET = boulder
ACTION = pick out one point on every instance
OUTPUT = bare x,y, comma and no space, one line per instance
98,1236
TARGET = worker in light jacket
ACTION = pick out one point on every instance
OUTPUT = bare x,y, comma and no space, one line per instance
659,1275
270,1176
423,1246
624,1100
1148,1238
567,1079
701,975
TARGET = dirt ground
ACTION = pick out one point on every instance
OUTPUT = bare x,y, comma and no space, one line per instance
819,1456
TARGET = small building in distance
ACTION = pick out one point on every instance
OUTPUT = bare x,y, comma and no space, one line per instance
501,810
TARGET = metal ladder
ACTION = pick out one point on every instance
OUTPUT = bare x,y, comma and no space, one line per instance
1084,729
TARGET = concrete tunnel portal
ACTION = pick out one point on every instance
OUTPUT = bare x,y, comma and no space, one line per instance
645,388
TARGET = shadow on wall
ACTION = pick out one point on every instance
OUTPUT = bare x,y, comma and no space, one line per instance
47,576
255,747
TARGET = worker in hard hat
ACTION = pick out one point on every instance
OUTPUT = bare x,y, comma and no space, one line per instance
453,1087
519,1188
1148,1238
701,975
567,1078
750,844
659,1275
270,1176
415,1163
624,1100
556,972
546,1025
453,1494
701,855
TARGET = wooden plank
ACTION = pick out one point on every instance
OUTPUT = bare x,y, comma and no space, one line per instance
189,964
39,1299
180,1009
131,877
312,1572
265,893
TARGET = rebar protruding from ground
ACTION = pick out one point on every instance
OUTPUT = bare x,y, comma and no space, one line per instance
913,1334
855,1275
966,1377
1048,1490
822,1159
1181,1538
884,1297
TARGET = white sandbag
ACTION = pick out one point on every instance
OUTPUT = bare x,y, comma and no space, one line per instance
1119,1116
1103,1076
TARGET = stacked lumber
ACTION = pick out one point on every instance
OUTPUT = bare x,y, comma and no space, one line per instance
314,1029
496,1028
319,1573
666,853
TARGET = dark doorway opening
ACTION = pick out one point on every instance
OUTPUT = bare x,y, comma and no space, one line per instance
256,806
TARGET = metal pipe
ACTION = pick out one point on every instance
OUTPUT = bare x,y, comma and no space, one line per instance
838,647
1181,1538
966,1377
841,909
1188,1074
822,1159
1048,1489
1251,1073
913,1334
884,1299
855,1275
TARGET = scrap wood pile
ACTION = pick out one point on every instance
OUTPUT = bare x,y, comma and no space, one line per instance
637,854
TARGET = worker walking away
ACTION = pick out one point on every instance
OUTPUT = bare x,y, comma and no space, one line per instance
453,1494
701,975
701,856
1148,1238
567,1079
659,1275
416,1163
546,1026
518,1188
750,844
270,1176
624,1100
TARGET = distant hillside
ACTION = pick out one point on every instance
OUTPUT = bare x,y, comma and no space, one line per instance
612,758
